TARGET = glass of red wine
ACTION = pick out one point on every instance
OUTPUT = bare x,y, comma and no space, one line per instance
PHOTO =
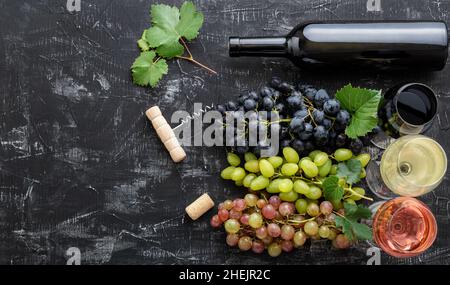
408,109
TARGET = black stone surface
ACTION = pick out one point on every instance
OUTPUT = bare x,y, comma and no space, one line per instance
80,165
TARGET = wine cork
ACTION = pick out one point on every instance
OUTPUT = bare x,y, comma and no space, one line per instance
200,206
165,134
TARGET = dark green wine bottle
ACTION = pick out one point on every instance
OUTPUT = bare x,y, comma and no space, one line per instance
382,44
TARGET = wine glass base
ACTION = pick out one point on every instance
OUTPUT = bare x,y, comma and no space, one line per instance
375,182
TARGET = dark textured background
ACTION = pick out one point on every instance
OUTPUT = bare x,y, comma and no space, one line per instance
80,166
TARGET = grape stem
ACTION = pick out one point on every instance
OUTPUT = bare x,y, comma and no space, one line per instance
357,194
191,58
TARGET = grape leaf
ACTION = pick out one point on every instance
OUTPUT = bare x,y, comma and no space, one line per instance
142,42
170,25
356,212
349,223
146,71
362,104
361,231
346,226
190,21
331,189
350,170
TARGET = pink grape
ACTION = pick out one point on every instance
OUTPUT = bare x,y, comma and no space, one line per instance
312,209
261,233
232,239
287,245
330,217
251,199
245,243
258,246
300,238
261,203
269,211
220,206
274,230
232,226
341,242
235,214
239,205
244,219
267,240
326,207
228,205
215,221
275,201
274,249
223,215
287,232
286,209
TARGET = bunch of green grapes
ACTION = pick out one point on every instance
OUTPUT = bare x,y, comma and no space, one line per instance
293,177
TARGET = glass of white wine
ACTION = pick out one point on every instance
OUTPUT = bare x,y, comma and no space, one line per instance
411,166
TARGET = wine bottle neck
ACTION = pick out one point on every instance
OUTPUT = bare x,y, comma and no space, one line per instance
259,46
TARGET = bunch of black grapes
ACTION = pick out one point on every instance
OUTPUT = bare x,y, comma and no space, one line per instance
308,118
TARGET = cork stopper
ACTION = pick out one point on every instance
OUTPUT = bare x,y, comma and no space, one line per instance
165,134
200,206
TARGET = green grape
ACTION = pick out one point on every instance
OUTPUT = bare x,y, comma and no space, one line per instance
364,158
233,159
343,154
252,166
238,174
276,161
324,231
350,201
333,169
309,168
266,168
273,186
248,179
274,249
342,182
227,172
232,226
290,196
286,185
332,235
289,169
337,204
313,154
239,182
363,173
290,155
311,228
313,209
314,193
255,220
303,159
259,183
358,190
320,159
325,169
301,205
248,156
301,187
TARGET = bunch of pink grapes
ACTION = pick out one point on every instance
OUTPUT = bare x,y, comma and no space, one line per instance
259,224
